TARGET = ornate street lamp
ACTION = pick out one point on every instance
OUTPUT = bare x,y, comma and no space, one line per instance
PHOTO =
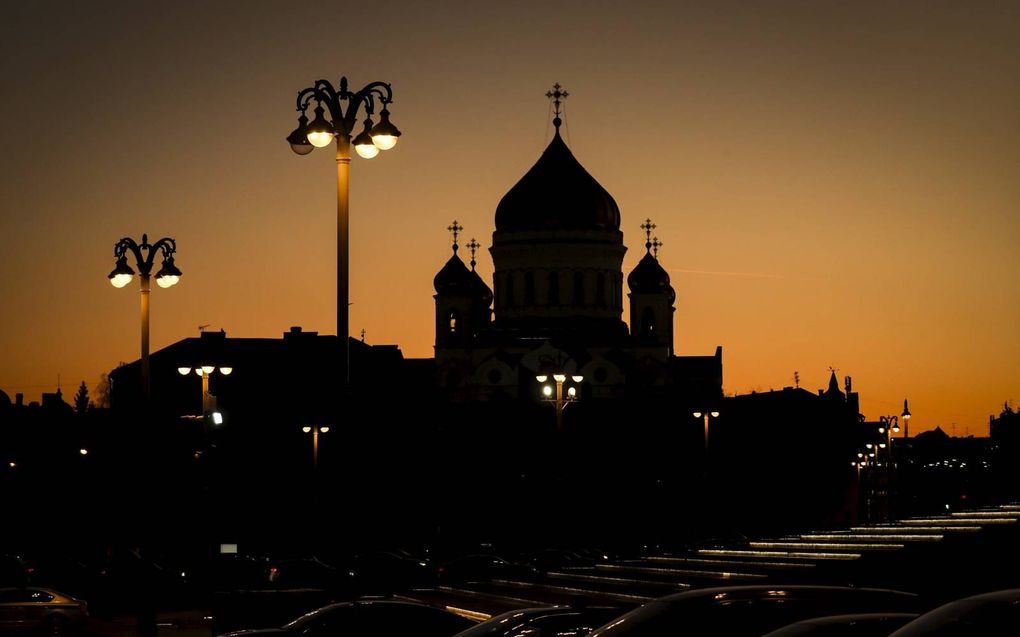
554,395
342,106
167,276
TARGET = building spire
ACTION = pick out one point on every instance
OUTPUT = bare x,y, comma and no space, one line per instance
473,246
648,226
455,229
656,244
557,95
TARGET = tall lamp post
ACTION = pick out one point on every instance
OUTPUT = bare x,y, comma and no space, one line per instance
555,395
207,399
906,420
315,430
167,276
338,127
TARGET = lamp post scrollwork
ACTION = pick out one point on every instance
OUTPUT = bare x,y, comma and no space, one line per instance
167,276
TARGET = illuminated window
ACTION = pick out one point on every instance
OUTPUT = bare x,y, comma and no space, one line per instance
648,322
452,322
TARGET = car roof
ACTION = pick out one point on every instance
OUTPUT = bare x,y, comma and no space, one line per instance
747,591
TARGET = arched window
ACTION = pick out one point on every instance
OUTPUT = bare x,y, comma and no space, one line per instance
648,323
529,289
452,322
554,288
600,290
578,288
498,283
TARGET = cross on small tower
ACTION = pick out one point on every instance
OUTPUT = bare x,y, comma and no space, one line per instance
557,96
455,228
656,244
362,335
648,226
473,246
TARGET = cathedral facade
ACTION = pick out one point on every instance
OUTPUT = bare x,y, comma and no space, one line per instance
556,301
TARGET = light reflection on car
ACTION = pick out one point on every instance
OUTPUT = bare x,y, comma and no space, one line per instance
40,609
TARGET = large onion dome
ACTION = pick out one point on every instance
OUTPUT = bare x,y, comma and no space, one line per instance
557,194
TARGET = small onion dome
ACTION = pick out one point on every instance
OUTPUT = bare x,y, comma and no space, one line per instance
481,290
557,194
648,277
454,279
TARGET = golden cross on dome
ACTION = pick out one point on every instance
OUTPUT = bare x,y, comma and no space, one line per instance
656,244
557,95
648,226
473,245
455,228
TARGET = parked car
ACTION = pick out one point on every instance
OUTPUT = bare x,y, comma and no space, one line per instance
384,572
552,621
41,610
860,625
985,615
471,568
368,617
750,611
309,572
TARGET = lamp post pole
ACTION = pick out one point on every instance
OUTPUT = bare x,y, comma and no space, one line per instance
167,276
906,420
337,128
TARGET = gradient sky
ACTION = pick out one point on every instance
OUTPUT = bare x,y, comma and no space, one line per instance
836,184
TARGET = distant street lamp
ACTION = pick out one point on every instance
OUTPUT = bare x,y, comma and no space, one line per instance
705,415
888,425
555,396
167,276
208,400
906,420
338,127
315,430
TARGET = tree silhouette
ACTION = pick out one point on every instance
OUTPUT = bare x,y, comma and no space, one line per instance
81,399
103,391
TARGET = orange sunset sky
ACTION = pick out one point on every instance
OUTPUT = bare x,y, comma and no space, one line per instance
836,184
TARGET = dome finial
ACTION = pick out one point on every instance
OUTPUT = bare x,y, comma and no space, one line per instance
648,226
473,245
656,244
455,229
557,95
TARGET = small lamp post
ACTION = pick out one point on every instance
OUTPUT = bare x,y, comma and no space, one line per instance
315,430
208,400
167,276
555,395
706,415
